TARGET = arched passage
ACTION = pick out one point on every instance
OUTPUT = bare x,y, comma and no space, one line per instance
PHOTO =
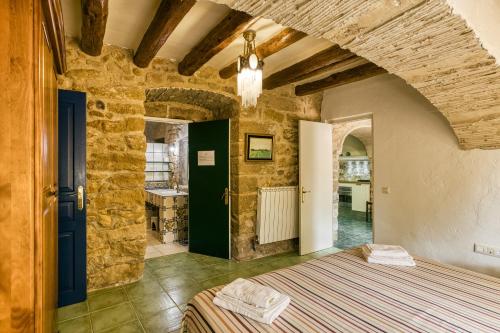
346,220
168,111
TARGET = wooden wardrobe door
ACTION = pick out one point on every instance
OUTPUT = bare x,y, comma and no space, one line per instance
47,259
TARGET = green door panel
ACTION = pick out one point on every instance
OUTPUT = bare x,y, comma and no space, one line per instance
208,211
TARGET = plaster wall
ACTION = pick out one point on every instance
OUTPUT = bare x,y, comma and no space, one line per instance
442,199
483,17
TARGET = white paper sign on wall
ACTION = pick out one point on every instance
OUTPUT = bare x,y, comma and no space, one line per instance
206,158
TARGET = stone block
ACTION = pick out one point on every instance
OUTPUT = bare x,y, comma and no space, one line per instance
134,124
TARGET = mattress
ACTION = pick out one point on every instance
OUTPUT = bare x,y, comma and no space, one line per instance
343,293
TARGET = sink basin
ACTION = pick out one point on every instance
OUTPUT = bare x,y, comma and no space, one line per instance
166,192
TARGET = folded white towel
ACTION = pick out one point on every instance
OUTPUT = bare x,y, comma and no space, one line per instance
251,293
262,315
394,251
395,262
387,259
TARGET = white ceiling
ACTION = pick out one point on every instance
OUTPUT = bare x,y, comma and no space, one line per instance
128,20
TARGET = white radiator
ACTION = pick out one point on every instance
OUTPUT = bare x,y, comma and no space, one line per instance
277,214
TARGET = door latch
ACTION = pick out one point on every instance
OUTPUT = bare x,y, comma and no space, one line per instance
225,196
302,192
80,197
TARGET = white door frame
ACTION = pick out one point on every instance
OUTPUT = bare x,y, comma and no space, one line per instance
167,120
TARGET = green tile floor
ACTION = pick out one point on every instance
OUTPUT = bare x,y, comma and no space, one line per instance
354,230
155,304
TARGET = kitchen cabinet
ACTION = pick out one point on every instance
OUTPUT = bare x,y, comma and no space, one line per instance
360,195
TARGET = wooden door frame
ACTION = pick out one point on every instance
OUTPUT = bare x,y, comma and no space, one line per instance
45,300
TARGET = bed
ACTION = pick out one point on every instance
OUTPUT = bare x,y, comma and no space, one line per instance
342,293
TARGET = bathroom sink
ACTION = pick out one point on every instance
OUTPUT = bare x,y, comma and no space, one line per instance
166,192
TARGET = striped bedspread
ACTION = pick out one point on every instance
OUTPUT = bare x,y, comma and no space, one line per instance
342,293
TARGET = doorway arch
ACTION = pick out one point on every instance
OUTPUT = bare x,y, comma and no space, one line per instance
341,130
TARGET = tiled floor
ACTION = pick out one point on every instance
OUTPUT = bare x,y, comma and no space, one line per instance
156,248
353,229
156,303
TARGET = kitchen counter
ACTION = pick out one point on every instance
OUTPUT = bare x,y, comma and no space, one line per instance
360,194
353,182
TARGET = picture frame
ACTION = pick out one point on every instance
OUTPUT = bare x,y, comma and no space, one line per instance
259,147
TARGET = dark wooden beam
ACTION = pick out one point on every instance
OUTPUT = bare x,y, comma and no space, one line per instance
167,17
54,26
352,75
324,58
230,28
94,17
335,67
278,42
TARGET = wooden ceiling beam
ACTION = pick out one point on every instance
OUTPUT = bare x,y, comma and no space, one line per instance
94,18
167,18
278,42
352,75
290,74
230,28
336,67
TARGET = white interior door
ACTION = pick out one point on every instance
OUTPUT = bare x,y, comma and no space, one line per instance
315,186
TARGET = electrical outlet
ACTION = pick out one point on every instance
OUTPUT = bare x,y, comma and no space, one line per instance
386,190
488,250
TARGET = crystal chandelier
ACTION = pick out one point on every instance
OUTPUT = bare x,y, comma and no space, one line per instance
249,72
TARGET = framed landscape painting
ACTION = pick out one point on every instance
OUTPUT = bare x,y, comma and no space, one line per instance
260,147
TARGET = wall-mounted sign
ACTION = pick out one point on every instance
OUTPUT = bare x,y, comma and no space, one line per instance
206,158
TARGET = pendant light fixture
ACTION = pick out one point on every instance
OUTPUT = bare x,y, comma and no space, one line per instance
249,72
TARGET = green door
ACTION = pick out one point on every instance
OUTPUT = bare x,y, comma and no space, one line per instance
209,228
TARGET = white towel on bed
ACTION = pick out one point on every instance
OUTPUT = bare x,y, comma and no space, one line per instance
388,258
251,293
393,251
262,315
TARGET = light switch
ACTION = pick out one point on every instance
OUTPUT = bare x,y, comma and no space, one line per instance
488,250
386,189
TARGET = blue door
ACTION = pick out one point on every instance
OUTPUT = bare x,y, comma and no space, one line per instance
72,216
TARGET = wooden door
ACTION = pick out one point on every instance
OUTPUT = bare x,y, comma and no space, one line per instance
46,228
209,194
315,186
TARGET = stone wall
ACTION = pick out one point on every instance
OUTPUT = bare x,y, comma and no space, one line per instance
116,94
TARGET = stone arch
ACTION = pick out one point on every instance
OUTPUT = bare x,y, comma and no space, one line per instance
190,103
421,41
